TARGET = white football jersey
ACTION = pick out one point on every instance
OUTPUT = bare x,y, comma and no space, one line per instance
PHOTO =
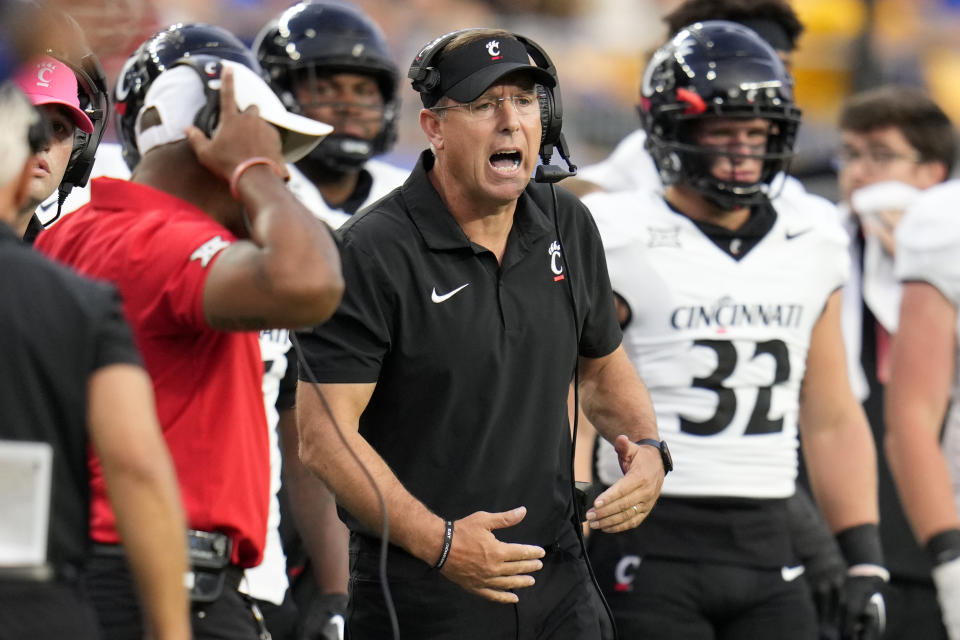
268,580
928,243
386,178
628,167
721,343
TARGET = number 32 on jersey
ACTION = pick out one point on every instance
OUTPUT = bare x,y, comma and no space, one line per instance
731,357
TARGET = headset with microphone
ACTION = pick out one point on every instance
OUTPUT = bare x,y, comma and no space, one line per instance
425,76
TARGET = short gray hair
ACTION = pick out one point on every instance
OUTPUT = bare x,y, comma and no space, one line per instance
17,115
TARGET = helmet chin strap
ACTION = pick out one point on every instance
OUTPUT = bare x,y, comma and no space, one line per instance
338,154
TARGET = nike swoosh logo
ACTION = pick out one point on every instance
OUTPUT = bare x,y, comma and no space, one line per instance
791,236
790,574
436,297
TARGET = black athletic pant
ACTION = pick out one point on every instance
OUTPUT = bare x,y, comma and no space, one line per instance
46,611
114,597
666,599
557,607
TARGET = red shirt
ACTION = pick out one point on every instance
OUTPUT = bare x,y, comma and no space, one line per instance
156,249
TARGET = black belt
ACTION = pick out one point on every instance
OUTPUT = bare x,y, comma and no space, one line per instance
210,568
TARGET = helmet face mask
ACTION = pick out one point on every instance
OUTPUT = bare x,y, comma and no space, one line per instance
156,55
313,40
717,70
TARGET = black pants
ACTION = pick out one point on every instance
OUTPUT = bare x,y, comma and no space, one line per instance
46,611
557,607
664,599
114,597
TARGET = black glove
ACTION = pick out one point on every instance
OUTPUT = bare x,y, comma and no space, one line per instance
820,554
325,618
863,612
826,599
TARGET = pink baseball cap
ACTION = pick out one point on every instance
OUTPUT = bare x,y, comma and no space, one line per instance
46,80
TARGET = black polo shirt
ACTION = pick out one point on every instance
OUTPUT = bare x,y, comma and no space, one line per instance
472,359
56,329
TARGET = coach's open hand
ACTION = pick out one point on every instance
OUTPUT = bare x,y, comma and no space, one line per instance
483,565
624,505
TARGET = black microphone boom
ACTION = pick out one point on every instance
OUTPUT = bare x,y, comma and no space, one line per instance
552,173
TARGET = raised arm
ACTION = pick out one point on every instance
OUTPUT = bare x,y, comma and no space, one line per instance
288,273
142,488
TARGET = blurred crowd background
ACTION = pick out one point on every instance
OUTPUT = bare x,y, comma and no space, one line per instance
600,46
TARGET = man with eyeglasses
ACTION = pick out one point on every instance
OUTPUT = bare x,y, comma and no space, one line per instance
895,143
472,295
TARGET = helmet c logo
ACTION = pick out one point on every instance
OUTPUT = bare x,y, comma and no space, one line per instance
123,86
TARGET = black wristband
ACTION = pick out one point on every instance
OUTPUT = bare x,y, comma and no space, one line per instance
943,547
861,545
447,541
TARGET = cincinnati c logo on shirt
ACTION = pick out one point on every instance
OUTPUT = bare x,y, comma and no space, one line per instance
556,264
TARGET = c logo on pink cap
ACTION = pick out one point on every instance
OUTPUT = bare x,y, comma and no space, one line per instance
44,68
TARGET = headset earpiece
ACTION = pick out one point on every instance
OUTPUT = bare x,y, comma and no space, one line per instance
92,82
423,73
209,68
551,119
549,130
551,111
425,79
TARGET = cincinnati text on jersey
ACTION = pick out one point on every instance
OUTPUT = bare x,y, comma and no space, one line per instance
727,313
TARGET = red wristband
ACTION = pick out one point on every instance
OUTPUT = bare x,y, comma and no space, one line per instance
246,164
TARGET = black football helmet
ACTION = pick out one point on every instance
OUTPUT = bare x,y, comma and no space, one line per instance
312,37
716,69
92,93
157,54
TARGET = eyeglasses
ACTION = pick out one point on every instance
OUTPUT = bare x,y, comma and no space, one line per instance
485,108
874,158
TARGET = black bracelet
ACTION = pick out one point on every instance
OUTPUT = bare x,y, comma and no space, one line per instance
447,541
861,545
943,547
